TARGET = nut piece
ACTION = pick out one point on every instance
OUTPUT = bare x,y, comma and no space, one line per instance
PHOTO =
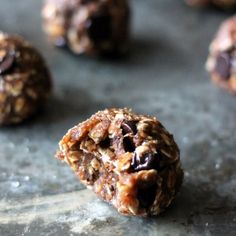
25,81
221,62
90,27
129,160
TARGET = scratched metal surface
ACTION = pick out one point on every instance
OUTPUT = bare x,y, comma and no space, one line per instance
163,76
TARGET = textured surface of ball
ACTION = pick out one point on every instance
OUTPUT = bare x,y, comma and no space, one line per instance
88,26
25,81
221,62
129,160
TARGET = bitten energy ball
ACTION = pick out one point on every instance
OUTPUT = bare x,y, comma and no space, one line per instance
88,26
219,3
221,63
129,160
24,80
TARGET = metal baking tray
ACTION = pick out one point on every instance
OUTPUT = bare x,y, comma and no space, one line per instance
164,76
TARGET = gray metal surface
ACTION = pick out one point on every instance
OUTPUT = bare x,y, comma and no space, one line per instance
163,76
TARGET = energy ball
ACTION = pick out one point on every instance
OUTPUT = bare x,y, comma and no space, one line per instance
25,81
88,26
226,4
221,62
129,160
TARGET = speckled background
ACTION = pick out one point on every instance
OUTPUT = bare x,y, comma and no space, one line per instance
164,76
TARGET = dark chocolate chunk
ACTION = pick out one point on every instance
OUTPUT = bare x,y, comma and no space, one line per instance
105,143
128,144
223,65
147,196
99,26
146,162
7,62
129,127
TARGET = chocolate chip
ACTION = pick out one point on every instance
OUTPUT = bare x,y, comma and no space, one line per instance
7,62
128,144
146,196
146,162
129,127
105,143
99,26
223,64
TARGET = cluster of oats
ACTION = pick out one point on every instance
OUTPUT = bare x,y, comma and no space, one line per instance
25,81
129,160
88,26
221,62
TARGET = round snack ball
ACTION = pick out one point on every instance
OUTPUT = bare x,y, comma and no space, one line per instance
25,81
88,26
129,160
226,4
221,62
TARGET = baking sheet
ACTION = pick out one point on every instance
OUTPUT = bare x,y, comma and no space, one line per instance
163,76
